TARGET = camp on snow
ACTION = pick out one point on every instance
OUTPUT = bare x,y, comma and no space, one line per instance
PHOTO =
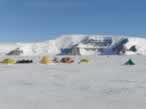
24,61
129,62
67,60
46,60
8,61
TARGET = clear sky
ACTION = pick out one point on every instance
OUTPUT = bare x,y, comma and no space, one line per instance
30,20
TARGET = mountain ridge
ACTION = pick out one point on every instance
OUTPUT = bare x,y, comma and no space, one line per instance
55,47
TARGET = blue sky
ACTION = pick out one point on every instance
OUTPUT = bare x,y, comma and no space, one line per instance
33,20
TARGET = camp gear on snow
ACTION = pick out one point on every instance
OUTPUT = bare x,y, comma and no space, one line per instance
67,60
24,61
84,61
56,60
129,62
8,61
45,60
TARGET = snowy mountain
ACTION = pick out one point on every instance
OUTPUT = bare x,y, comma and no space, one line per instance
81,44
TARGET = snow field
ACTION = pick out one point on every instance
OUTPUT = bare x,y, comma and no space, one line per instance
105,83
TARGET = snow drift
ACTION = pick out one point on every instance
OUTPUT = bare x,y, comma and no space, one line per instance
86,44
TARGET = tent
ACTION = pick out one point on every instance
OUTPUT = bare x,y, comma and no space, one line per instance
45,60
67,60
130,62
8,61
84,61
24,61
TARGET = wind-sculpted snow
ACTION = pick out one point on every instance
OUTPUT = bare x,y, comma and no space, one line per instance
104,83
140,44
56,46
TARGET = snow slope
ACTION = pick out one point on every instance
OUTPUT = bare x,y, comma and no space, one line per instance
140,44
105,83
55,46
5,48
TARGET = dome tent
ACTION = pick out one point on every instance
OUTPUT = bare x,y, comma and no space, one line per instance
8,61
84,61
68,60
45,60
130,62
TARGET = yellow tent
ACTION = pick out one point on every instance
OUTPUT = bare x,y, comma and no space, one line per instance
45,60
84,61
8,61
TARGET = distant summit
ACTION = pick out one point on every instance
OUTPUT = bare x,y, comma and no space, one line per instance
80,45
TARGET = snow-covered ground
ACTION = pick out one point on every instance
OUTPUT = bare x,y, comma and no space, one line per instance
104,83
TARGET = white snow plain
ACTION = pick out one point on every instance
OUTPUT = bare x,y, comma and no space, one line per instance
104,83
